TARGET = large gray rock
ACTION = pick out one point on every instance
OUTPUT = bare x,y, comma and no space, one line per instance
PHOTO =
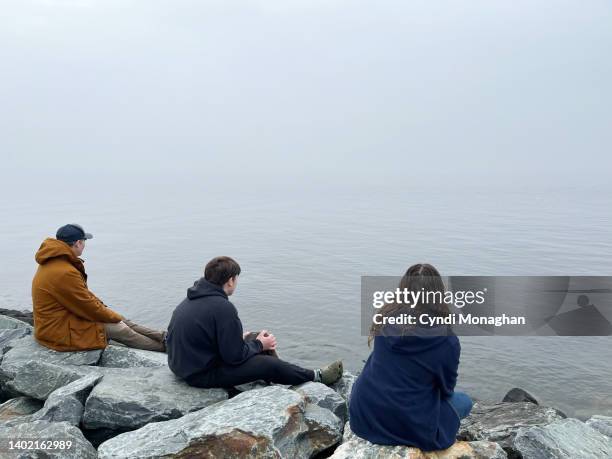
7,322
563,439
486,450
501,421
6,336
325,397
22,316
125,357
324,429
344,385
17,352
27,348
80,448
38,379
271,422
601,423
128,398
19,408
519,395
353,447
66,404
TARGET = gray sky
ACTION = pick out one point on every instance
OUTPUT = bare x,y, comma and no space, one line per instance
290,91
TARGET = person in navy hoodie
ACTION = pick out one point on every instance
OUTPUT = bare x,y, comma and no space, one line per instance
406,394
207,346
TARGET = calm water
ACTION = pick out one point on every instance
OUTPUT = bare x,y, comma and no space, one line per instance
303,252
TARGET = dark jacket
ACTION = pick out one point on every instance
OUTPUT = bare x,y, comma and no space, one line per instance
205,331
67,315
400,397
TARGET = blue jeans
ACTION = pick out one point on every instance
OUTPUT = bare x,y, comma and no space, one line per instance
461,403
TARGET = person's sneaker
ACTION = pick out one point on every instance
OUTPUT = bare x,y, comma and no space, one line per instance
332,372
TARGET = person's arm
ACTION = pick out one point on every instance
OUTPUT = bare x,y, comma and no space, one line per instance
233,348
98,299
447,378
76,297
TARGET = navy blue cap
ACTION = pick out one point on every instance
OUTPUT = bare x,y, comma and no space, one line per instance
71,233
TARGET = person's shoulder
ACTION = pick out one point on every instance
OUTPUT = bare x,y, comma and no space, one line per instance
220,304
447,342
57,276
229,306
61,269
453,342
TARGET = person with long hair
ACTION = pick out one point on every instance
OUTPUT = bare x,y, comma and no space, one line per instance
405,394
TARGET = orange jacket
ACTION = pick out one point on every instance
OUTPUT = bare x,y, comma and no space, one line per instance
67,316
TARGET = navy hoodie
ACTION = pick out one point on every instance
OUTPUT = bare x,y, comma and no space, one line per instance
400,397
205,331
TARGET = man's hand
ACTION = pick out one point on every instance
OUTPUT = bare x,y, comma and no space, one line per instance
268,340
245,334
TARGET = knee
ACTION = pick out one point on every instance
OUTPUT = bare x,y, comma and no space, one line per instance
465,401
115,329
251,336
469,403
115,326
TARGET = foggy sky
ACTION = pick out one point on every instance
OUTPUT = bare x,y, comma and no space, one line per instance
299,91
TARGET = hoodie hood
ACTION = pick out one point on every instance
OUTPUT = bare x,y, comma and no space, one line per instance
419,340
202,288
52,248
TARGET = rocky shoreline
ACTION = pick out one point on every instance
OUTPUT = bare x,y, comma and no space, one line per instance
126,403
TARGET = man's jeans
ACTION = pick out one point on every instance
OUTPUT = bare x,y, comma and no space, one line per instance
136,336
461,403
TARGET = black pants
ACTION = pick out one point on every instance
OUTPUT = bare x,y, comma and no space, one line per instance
266,367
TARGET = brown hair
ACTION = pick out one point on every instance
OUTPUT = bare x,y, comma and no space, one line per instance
221,269
419,277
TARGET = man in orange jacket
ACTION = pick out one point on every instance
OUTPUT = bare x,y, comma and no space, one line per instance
67,315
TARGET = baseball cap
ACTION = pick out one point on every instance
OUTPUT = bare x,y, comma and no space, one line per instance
72,233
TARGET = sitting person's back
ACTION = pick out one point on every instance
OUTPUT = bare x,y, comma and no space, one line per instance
405,393
399,398
205,331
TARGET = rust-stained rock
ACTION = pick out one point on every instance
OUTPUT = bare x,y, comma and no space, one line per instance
271,422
